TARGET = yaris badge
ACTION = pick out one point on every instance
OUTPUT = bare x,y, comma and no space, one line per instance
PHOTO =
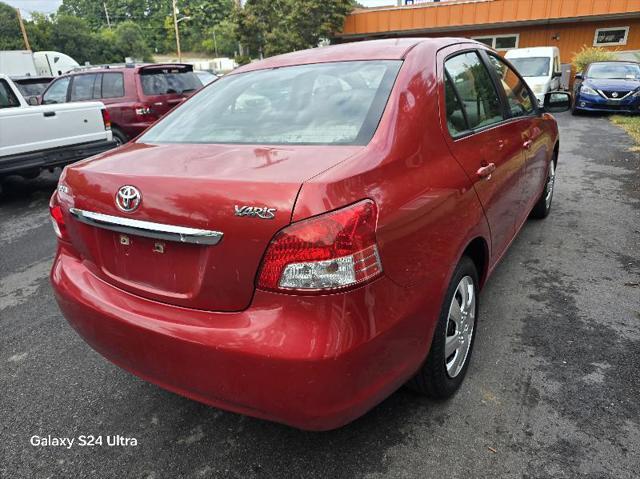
128,198
265,213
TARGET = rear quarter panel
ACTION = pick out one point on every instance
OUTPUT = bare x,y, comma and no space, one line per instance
428,210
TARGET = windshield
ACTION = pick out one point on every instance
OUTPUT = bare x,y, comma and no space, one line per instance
625,71
532,66
328,103
162,82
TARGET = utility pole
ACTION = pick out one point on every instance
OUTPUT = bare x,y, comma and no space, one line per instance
106,12
175,24
24,31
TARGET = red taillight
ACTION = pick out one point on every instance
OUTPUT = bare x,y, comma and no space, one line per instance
57,218
106,119
332,251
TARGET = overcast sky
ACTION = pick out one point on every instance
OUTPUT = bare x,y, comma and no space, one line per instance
50,6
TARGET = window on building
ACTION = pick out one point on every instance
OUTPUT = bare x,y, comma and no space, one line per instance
500,42
611,36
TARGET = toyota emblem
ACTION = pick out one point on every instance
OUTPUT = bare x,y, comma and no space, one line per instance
128,198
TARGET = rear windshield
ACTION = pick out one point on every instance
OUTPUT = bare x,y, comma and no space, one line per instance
163,82
532,66
32,87
328,103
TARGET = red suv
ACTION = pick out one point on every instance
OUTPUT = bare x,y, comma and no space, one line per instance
310,232
135,95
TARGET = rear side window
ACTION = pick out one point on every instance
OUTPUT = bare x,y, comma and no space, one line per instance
456,121
520,101
57,92
112,85
82,87
7,98
163,82
337,103
475,89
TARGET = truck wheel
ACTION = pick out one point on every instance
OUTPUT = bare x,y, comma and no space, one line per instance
443,372
119,137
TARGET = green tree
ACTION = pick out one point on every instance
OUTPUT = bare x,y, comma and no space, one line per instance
10,35
130,41
221,40
271,27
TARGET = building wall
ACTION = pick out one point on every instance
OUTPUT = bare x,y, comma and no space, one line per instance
476,12
573,36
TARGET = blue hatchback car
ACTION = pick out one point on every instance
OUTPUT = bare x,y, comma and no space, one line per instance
612,86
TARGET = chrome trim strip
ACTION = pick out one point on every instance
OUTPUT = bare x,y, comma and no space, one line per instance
180,234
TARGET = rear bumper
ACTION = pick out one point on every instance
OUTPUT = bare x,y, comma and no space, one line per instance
15,164
314,363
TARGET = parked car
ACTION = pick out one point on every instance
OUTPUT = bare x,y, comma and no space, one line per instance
36,137
135,95
612,86
540,67
32,87
300,256
205,76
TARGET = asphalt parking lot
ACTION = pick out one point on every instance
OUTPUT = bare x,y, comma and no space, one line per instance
553,389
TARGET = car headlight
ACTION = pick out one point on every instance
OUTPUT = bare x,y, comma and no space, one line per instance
587,90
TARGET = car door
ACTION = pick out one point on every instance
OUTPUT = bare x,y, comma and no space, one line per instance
483,141
521,105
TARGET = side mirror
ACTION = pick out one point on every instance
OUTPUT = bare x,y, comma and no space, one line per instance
579,76
556,75
557,101
33,101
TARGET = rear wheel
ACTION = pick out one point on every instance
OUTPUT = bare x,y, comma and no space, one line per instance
119,137
543,206
443,372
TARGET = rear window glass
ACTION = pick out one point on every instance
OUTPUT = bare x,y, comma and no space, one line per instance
112,85
82,87
32,87
329,103
163,82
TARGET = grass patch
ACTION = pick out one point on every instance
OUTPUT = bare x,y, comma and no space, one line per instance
631,124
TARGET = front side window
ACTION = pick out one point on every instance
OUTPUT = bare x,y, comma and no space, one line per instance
8,99
472,82
613,70
82,87
57,92
326,103
520,101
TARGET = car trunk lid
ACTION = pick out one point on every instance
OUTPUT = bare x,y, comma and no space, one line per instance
204,187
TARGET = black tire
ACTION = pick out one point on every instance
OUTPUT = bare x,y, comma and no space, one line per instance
542,208
433,379
119,136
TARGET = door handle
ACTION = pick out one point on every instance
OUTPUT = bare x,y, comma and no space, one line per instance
527,144
49,113
485,171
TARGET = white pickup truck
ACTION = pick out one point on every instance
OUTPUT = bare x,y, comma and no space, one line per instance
33,138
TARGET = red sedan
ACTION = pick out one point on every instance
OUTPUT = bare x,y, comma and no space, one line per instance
309,233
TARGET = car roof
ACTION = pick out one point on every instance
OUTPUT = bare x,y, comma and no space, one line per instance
388,49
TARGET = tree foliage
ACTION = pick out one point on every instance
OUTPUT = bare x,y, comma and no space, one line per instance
10,36
271,27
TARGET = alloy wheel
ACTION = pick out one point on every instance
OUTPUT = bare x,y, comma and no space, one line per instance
460,326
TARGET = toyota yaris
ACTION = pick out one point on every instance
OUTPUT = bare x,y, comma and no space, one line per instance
310,232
